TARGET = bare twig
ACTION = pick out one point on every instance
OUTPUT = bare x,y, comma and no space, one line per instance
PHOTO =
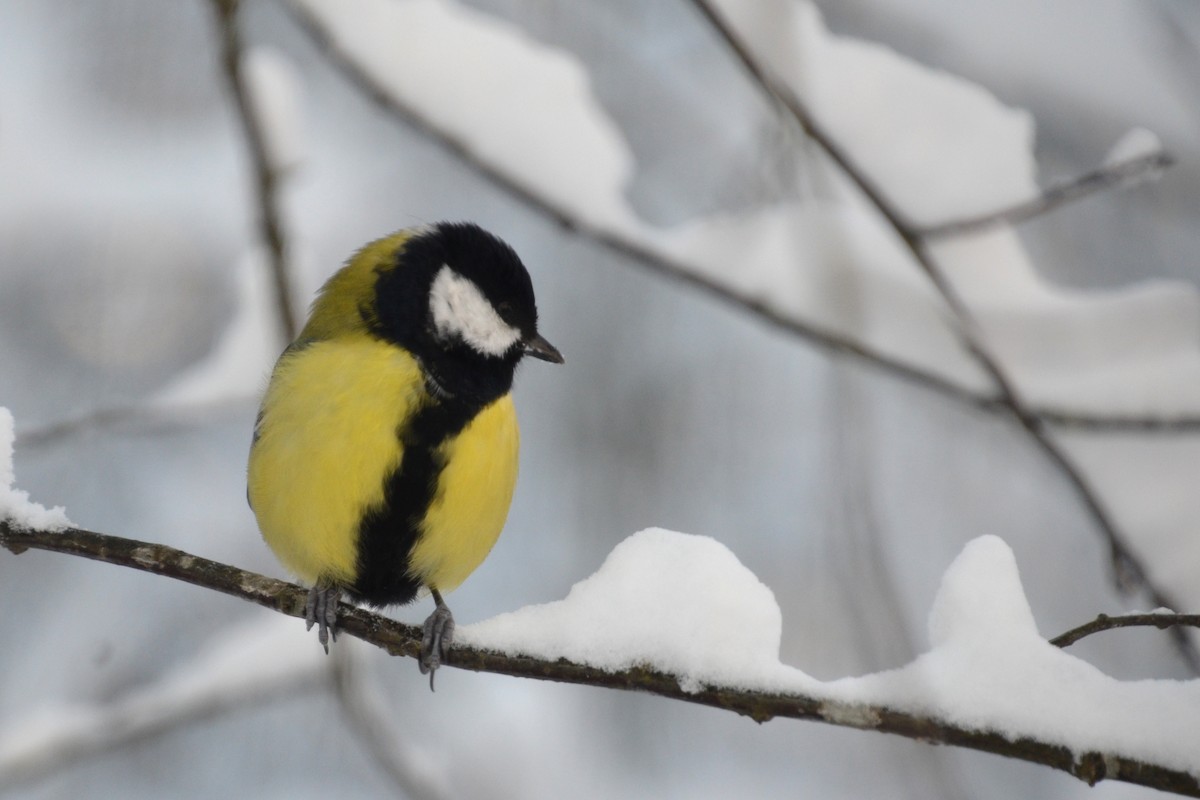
266,176
1104,622
405,640
1127,566
1122,173
1086,422
636,252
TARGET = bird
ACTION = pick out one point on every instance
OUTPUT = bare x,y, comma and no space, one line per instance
384,456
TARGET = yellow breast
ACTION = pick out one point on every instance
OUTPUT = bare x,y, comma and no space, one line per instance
471,501
327,442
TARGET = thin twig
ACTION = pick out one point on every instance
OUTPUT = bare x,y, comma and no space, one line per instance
637,253
266,176
1088,422
1121,173
1104,622
400,639
1128,569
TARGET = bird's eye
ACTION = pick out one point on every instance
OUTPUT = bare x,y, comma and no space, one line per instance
505,309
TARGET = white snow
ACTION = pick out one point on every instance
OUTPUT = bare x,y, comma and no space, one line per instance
685,605
1136,143
989,669
939,146
15,505
530,110
679,603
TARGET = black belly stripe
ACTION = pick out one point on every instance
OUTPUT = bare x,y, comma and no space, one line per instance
388,532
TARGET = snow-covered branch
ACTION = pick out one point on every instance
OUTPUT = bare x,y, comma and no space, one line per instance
858,703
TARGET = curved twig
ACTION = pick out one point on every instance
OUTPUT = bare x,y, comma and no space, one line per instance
1121,173
1104,622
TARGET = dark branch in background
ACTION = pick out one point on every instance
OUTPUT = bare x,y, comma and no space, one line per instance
1121,173
1086,422
830,341
1104,622
1128,569
266,176
405,640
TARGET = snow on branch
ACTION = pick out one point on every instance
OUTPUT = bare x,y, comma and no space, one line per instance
990,683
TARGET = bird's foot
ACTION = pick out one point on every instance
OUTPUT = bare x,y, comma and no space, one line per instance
321,610
438,635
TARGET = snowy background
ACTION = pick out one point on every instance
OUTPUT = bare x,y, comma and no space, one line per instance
135,334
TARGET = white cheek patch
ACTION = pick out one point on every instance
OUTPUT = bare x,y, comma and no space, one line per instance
460,309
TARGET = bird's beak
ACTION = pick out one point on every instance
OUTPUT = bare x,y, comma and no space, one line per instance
538,347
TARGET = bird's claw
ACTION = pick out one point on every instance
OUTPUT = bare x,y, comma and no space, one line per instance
437,637
321,610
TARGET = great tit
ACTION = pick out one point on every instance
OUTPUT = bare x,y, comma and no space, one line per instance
384,455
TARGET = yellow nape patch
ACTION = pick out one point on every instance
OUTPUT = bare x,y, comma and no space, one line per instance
338,308
326,441
473,495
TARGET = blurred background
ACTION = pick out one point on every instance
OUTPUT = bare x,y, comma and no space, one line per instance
127,232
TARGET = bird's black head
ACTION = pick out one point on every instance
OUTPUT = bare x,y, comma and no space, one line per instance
460,300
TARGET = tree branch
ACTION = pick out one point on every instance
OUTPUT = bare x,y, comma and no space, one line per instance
637,253
405,640
1104,622
266,176
1121,173
1127,567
